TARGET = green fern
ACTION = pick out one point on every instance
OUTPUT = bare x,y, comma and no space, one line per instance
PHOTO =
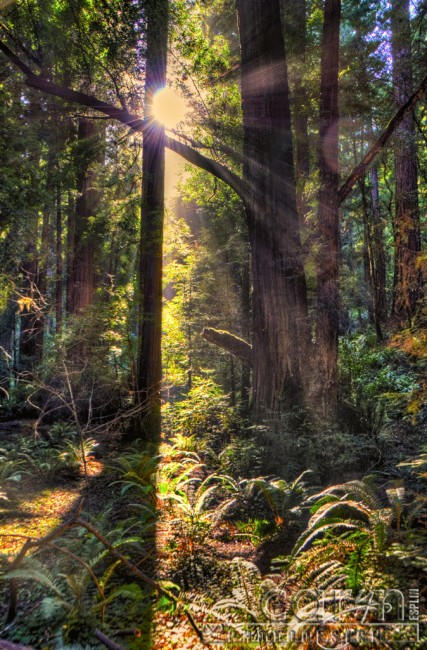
35,571
349,506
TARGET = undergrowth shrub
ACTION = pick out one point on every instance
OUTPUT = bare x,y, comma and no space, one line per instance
204,413
376,380
244,605
66,460
360,541
241,458
10,474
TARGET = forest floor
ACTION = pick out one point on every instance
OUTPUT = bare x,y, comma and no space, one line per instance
39,505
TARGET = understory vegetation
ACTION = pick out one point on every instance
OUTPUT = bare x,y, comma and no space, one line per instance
231,520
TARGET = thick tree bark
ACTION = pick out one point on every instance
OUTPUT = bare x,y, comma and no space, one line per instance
325,385
295,22
407,243
245,292
82,276
149,368
279,290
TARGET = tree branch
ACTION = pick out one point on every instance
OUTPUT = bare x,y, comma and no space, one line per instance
358,171
209,165
233,344
16,60
222,148
156,586
35,59
109,643
29,544
132,121
7,645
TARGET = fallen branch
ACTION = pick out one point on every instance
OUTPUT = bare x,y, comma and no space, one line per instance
77,521
28,545
7,645
109,643
156,586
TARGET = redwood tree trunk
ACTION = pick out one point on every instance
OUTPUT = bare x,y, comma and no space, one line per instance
82,243
407,242
59,264
325,393
246,332
149,369
295,20
279,289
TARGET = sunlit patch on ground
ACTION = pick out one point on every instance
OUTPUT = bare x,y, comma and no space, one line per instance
37,516
174,633
93,467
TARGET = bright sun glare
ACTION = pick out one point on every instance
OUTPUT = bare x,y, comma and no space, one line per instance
169,108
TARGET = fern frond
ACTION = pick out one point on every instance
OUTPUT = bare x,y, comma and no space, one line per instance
42,576
307,538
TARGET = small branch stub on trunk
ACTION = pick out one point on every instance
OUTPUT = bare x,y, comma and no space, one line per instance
233,344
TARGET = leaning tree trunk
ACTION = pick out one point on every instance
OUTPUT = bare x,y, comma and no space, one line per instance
407,239
279,289
149,369
325,372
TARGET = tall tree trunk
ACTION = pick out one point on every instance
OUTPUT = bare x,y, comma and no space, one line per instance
59,263
380,295
327,330
29,307
368,259
149,370
245,293
295,22
45,261
71,236
407,244
81,271
279,290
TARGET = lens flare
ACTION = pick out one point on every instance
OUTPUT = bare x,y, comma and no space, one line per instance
169,107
